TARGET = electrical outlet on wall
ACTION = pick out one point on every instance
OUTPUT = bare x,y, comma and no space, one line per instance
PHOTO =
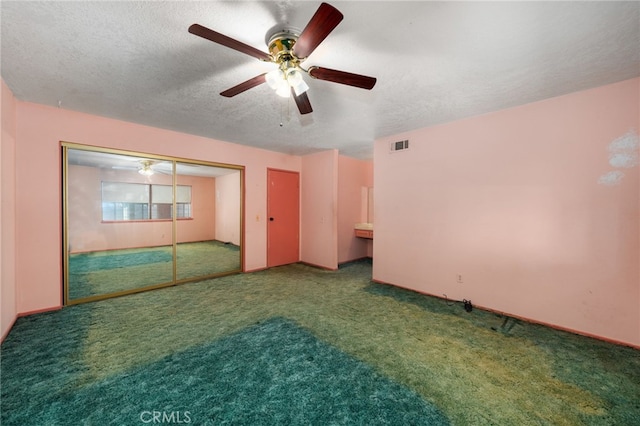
459,278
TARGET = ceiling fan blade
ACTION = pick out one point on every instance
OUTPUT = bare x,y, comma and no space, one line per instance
321,24
222,39
249,84
302,101
342,77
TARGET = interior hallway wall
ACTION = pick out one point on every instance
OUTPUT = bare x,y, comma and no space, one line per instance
7,211
353,176
535,207
318,209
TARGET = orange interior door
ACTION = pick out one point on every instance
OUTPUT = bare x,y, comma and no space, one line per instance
283,217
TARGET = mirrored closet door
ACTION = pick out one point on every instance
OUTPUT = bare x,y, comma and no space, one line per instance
135,222
212,245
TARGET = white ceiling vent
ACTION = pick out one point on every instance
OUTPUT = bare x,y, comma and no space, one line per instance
399,146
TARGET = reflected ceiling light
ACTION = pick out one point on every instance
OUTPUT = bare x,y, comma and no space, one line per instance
145,168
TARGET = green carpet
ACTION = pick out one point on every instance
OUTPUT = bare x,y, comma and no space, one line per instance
257,343
270,373
84,263
112,271
206,258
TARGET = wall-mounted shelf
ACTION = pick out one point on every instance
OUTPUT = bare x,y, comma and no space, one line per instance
364,230
360,233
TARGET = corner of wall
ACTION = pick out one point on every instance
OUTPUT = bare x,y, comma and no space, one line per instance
318,209
8,288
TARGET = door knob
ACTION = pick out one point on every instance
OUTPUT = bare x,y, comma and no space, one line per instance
270,219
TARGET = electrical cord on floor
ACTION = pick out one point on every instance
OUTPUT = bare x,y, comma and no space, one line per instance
467,303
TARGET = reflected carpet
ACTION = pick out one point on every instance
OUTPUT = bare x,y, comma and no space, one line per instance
112,271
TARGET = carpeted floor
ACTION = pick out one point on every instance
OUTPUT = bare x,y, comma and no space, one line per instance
113,271
298,345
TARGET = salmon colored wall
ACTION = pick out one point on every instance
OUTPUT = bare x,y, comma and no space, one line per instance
318,212
228,208
87,232
39,130
519,203
202,227
7,211
353,176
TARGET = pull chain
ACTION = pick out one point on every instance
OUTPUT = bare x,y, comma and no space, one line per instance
288,115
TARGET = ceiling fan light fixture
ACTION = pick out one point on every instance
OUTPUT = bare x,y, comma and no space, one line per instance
146,169
274,78
294,77
283,89
284,78
300,87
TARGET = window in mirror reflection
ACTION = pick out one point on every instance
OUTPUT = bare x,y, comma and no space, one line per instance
132,201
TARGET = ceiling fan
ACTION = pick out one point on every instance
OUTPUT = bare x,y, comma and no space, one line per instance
146,167
288,50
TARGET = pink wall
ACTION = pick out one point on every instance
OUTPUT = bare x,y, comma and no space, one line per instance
518,202
228,208
7,211
318,211
39,130
353,176
87,232
202,227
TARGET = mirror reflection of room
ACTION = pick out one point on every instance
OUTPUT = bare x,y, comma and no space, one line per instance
120,232
212,231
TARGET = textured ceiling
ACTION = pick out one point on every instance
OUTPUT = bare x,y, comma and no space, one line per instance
435,62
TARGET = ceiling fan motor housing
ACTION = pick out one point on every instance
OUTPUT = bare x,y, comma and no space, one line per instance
281,48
